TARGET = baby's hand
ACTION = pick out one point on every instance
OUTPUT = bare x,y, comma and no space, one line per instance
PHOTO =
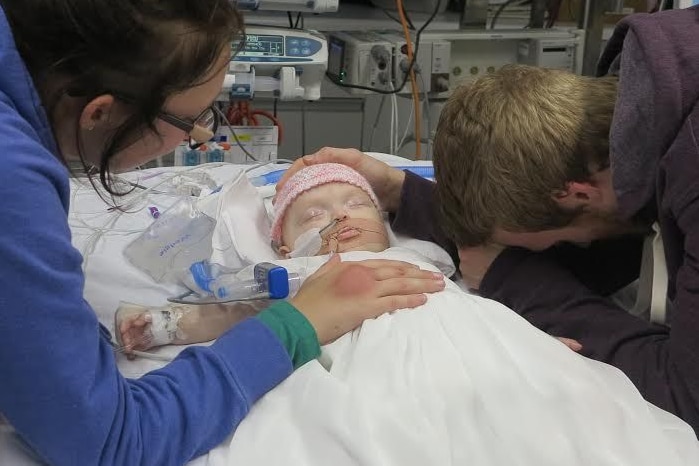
133,328
135,332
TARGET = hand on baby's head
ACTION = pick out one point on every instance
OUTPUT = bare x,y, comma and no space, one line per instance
331,198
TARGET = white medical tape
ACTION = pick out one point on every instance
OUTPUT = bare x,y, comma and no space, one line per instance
163,326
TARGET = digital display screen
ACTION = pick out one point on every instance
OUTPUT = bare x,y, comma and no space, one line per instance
263,46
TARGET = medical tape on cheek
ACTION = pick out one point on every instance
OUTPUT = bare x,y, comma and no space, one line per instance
311,241
307,244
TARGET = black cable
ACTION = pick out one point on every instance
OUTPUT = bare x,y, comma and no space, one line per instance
390,15
275,107
499,11
298,18
411,26
554,12
570,12
411,65
291,20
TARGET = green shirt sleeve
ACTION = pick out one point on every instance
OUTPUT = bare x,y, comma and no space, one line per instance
294,331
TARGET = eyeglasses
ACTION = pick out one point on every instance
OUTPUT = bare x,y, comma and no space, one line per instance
200,131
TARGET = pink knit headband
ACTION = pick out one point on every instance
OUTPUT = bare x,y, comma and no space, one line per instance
309,178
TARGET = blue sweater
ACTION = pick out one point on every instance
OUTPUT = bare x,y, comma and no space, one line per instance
59,383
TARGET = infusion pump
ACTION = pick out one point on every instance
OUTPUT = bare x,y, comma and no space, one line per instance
310,6
368,61
285,63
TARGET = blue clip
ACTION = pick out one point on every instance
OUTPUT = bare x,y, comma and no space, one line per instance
201,273
273,278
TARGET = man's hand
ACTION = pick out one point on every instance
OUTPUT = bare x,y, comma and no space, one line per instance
475,262
570,343
386,182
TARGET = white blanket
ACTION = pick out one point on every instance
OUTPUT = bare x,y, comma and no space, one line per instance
460,380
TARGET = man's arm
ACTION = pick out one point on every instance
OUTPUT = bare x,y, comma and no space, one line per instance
662,364
417,215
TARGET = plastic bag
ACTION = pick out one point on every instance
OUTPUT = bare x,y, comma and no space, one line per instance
180,237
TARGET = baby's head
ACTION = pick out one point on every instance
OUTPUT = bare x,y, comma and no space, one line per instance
317,196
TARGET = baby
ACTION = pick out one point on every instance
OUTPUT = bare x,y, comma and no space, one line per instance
322,209
331,201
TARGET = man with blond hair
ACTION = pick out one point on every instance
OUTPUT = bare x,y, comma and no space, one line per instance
547,185
526,150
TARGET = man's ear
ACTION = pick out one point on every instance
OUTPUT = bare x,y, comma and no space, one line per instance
97,112
578,195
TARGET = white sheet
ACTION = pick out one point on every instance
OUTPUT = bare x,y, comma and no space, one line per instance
400,389
461,380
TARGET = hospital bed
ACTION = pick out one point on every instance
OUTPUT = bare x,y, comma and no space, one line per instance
102,234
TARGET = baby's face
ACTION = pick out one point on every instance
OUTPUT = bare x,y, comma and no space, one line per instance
363,229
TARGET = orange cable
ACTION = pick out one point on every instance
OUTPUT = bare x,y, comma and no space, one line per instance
275,121
241,114
413,81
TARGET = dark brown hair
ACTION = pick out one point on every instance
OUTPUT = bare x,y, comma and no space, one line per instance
140,51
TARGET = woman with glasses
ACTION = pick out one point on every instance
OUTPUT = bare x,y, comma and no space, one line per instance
114,84
200,130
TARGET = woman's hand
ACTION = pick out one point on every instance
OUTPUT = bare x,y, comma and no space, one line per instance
341,295
387,182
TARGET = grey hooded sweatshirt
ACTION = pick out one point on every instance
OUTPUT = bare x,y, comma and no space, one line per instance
655,167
